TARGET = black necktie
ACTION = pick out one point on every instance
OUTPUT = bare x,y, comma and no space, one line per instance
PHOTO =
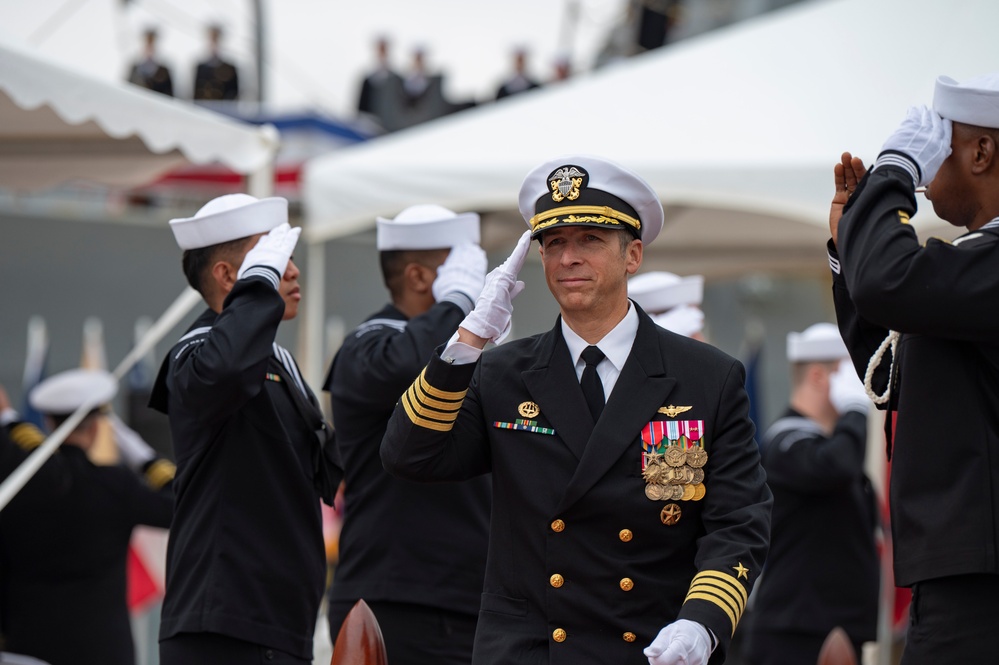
593,390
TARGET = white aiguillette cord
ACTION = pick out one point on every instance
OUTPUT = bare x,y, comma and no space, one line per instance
184,303
891,341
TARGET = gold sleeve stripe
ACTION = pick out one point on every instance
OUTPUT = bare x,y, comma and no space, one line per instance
439,394
723,581
418,391
712,599
719,591
419,405
160,473
26,436
418,420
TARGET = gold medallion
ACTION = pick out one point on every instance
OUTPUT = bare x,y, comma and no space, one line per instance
698,476
675,456
654,473
528,409
696,457
688,474
676,492
688,493
674,475
655,491
699,492
670,514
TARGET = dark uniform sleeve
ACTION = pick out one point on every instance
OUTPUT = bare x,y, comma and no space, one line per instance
52,481
736,519
810,463
217,374
897,284
383,360
436,432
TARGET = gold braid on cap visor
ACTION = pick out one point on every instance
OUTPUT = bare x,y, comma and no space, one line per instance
582,215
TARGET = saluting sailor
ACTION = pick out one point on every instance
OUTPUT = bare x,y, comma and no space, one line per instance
64,537
932,310
246,565
631,515
416,553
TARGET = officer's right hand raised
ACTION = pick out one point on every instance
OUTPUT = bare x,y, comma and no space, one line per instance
924,137
490,319
273,251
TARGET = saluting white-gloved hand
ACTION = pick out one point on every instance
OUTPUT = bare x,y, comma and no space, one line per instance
846,391
683,642
924,137
490,318
272,250
134,450
463,272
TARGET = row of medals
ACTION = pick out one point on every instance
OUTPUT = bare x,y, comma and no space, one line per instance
675,474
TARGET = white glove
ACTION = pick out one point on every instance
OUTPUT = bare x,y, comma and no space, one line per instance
683,642
273,251
464,272
134,450
924,137
490,318
846,391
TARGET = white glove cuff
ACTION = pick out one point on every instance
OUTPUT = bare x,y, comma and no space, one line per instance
461,299
267,272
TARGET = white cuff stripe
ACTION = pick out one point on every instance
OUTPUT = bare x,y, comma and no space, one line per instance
893,159
833,264
263,271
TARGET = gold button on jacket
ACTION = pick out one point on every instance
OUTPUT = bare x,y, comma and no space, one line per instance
629,637
558,526
627,584
559,635
625,535
557,580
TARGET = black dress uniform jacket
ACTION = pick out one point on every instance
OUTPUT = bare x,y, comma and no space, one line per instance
216,80
822,568
941,298
63,546
246,557
582,567
401,541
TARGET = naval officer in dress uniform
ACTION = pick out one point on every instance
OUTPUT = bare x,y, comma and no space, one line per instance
400,548
630,511
64,537
246,565
671,301
924,318
817,578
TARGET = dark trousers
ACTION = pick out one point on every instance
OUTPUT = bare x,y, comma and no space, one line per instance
953,620
215,649
417,634
782,648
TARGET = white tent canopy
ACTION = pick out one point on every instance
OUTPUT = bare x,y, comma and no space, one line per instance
57,124
737,130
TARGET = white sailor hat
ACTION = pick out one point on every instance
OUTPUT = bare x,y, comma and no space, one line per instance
589,191
63,393
820,342
686,320
661,291
427,226
229,217
974,102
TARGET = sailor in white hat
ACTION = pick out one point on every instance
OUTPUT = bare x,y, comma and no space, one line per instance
64,537
558,418
933,304
434,270
672,301
814,457
252,446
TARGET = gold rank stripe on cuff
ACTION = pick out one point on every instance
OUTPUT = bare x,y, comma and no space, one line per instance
431,407
159,473
26,436
722,590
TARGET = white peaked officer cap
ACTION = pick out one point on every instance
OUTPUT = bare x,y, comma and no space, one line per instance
817,343
662,291
427,226
229,217
63,393
581,190
974,102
